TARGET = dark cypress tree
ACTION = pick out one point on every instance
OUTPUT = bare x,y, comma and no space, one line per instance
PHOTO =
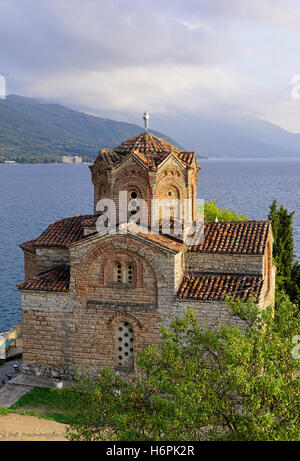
283,249
294,286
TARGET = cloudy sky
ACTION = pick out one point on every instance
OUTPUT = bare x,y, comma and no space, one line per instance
204,57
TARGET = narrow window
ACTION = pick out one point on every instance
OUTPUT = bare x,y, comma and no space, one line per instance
124,273
119,273
132,196
129,273
125,346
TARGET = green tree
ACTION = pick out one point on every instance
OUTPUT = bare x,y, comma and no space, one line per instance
287,273
227,384
294,284
211,212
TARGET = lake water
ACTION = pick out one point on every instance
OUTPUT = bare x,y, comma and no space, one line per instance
33,196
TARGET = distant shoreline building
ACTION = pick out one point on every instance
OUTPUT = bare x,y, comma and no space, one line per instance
70,159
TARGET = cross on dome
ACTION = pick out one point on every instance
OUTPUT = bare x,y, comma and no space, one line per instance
146,119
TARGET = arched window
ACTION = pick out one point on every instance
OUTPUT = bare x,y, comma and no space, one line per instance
129,273
172,194
132,203
119,272
124,273
125,346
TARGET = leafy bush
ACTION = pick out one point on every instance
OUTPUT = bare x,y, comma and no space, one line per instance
230,384
211,212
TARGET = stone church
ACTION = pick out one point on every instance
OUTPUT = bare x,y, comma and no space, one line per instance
93,299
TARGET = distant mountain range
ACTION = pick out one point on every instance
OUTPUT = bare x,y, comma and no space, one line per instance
240,136
32,130
243,136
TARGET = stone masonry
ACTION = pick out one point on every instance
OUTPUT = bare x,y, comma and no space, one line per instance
92,300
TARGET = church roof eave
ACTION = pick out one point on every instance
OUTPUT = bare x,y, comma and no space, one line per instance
247,238
154,239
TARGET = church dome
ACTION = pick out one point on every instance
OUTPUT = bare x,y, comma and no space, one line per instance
151,150
145,143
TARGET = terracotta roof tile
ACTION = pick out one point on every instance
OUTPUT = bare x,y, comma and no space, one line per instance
146,143
164,240
63,232
186,157
28,246
111,158
241,237
56,279
214,287
148,147
90,221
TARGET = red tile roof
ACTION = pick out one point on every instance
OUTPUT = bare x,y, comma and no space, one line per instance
28,246
148,148
110,157
168,242
243,237
236,237
63,232
163,240
56,279
214,287
186,157
146,143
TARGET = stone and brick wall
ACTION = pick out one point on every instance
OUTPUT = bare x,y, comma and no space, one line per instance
59,337
173,176
209,314
225,263
49,257
79,329
63,331
30,266
269,272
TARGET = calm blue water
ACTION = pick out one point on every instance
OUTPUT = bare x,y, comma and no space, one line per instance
33,196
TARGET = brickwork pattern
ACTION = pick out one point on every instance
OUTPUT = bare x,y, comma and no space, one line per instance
77,326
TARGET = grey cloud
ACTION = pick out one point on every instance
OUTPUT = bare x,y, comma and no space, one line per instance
102,35
167,54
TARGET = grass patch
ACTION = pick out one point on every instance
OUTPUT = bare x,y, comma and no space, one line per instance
5,411
48,403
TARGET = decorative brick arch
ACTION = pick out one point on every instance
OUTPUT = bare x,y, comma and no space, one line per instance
139,331
171,171
131,177
179,191
125,242
162,187
133,258
125,184
123,316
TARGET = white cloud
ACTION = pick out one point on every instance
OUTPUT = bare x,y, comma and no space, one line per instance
165,88
166,55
